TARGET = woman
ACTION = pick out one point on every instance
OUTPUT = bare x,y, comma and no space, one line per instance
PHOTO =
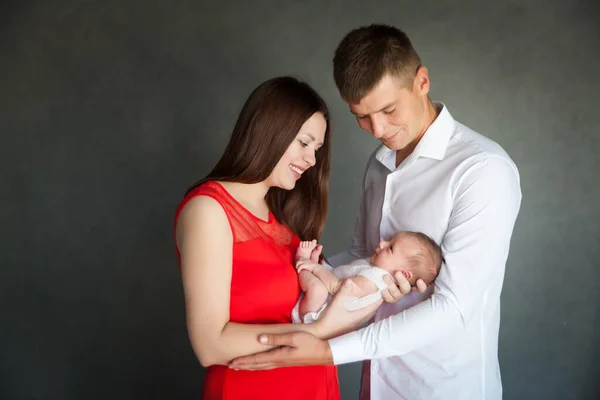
237,231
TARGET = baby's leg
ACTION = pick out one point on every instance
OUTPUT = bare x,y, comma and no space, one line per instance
305,249
316,253
315,293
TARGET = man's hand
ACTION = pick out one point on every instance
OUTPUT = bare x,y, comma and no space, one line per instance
396,290
303,348
298,348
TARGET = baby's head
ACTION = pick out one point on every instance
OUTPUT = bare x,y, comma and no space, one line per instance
414,254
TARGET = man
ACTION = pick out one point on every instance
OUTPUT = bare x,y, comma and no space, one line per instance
434,175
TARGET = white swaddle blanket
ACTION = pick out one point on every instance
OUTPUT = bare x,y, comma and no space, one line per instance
360,267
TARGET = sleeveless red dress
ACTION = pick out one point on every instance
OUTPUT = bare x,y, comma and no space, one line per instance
264,290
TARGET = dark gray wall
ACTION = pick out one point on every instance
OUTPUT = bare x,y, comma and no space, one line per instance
108,110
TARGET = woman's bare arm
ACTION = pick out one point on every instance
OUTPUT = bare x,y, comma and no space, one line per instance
205,241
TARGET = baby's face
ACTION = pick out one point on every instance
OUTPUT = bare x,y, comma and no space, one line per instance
390,255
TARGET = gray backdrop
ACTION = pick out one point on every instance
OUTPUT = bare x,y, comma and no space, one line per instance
109,110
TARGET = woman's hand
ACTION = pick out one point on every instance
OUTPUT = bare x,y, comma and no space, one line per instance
337,320
396,290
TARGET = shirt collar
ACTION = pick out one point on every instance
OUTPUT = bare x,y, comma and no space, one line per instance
433,144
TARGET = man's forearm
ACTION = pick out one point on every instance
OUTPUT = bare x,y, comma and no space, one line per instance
475,246
425,323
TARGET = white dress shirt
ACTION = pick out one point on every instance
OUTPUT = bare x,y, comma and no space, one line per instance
462,190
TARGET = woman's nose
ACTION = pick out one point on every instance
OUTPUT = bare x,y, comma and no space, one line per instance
310,158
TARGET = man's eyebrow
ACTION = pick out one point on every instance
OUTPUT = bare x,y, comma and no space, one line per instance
393,103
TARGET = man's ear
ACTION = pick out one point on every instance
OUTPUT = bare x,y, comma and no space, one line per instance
422,81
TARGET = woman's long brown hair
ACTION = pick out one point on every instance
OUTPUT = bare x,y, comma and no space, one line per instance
267,125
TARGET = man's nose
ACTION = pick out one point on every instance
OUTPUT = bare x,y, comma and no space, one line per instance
377,126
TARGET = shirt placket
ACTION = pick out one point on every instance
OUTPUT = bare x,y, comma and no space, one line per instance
386,227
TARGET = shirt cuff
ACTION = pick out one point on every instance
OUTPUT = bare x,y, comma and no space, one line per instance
347,348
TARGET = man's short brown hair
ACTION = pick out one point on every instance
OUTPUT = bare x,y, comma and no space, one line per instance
368,53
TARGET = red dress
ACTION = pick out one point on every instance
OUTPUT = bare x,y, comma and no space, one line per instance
264,289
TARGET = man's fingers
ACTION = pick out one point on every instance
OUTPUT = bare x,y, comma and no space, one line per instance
403,283
272,357
421,285
284,339
386,296
253,367
392,289
240,362
395,290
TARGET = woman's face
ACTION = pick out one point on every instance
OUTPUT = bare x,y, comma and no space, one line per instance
300,155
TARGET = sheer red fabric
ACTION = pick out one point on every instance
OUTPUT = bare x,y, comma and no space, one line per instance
264,289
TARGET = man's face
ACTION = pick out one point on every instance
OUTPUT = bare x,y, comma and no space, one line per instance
394,113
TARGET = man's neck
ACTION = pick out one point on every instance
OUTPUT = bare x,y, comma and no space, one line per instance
430,115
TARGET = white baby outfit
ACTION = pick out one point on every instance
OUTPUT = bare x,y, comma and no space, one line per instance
360,267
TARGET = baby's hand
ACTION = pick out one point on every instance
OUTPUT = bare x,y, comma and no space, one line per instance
306,265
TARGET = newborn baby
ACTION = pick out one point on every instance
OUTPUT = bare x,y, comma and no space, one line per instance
414,254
